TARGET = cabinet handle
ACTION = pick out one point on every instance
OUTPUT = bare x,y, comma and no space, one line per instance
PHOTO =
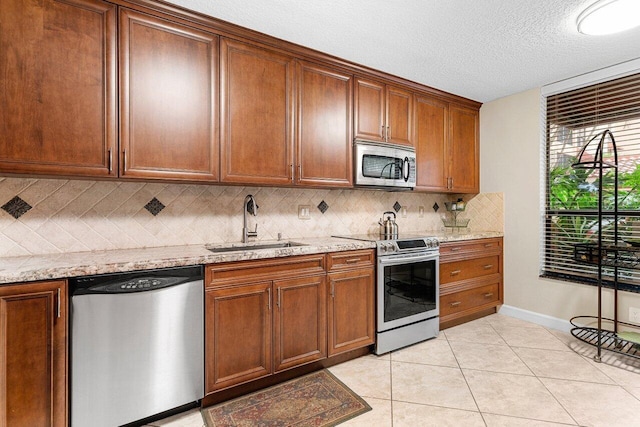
279,296
488,266
456,249
488,245
384,133
352,260
455,303
291,172
59,314
124,161
388,133
110,161
455,272
333,289
299,172
451,188
488,295
269,298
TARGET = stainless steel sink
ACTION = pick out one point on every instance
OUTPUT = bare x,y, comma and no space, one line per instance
251,247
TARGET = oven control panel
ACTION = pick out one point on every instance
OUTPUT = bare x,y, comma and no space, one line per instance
424,244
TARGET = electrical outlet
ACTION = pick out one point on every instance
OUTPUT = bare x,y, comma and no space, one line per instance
404,212
304,211
420,211
634,315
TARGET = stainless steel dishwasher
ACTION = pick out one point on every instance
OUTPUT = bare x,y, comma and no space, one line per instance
137,345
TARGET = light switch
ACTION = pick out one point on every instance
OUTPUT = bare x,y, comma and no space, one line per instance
420,211
304,211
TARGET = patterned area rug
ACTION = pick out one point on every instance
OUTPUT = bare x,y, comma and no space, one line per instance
318,399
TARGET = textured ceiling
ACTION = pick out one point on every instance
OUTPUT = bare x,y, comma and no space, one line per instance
479,49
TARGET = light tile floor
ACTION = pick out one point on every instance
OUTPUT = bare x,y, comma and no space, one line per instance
495,371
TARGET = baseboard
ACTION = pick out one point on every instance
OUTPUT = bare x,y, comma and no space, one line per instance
533,317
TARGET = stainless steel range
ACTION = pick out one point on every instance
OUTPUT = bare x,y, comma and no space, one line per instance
407,290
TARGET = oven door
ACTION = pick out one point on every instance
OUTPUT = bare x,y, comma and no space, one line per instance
407,289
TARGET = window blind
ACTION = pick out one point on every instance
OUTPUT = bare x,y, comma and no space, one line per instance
571,199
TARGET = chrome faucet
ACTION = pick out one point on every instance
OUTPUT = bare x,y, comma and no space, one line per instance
250,207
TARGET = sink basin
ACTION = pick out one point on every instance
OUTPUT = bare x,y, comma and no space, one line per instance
251,247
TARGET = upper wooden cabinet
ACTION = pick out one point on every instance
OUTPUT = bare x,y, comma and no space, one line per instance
446,142
58,87
168,99
323,126
465,150
383,112
256,125
431,143
33,354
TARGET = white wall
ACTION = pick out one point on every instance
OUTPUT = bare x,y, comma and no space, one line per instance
510,135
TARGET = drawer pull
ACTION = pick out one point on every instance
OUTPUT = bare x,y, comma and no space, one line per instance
487,266
455,249
454,272
269,298
488,245
352,260
455,303
488,295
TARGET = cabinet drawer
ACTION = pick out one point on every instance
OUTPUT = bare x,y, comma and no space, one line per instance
464,300
350,260
468,269
470,246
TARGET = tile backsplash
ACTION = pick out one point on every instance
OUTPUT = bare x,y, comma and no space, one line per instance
78,215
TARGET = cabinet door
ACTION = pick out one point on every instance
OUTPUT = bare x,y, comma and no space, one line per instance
465,154
399,116
238,334
256,128
57,87
431,136
33,354
169,80
300,322
369,119
323,139
351,310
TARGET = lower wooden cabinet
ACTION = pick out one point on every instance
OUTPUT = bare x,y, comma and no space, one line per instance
351,309
300,321
471,280
262,317
267,316
33,354
238,334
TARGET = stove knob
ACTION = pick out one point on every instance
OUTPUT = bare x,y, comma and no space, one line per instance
391,247
382,249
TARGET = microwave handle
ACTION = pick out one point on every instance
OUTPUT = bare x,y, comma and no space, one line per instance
406,168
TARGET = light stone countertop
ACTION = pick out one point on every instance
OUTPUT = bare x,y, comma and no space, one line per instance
60,266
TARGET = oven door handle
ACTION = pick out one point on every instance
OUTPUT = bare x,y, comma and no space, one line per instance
385,260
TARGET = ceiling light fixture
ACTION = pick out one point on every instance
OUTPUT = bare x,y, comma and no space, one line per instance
609,16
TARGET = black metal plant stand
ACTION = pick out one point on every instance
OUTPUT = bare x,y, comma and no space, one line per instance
609,255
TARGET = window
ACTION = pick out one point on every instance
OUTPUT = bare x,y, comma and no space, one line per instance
571,215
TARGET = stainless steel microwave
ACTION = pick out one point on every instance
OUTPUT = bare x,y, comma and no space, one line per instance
380,165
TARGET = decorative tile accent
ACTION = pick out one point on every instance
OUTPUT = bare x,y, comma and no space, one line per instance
155,206
397,206
323,206
16,207
435,207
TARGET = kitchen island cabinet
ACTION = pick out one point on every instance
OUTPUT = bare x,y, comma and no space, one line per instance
58,88
168,99
33,354
383,112
471,280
